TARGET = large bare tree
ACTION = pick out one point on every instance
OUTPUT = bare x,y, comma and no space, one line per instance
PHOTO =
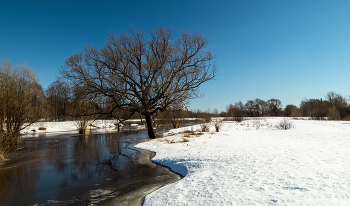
143,76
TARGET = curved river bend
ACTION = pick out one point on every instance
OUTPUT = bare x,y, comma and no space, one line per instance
98,169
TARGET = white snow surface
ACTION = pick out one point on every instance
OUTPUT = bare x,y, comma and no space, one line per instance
72,127
253,163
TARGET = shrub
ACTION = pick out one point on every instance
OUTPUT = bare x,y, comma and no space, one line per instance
218,125
256,124
186,134
9,140
189,132
238,119
285,124
204,127
176,123
82,126
170,141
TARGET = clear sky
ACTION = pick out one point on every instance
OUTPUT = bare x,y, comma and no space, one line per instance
264,49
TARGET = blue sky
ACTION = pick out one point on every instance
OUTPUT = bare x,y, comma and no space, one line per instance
282,49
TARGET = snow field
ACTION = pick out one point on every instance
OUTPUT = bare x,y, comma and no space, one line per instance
248,165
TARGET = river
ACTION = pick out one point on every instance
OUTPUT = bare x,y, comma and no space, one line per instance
96,169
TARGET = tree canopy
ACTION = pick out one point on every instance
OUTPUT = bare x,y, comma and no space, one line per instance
143,76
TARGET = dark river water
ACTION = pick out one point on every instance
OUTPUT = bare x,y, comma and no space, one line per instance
97,169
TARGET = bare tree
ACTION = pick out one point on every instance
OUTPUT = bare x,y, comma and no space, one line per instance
295,112
258,106
58,96
21,101
175,112
274,106
336,100
250,107
314,108
237,110
288,110
143,76
333,113
230,110
239,105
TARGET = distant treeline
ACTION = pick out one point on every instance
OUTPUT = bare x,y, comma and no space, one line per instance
64,103
334,106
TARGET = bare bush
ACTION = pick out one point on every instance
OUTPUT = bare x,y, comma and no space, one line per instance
217,125
170,141
256,124
285,124
204,127
8,140
238,119
82,126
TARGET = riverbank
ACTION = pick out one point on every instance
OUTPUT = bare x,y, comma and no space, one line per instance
71,127
252,162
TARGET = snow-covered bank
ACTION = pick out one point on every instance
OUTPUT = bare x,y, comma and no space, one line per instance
252,163
71,126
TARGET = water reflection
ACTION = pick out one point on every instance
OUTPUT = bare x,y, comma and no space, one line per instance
18,182
52,169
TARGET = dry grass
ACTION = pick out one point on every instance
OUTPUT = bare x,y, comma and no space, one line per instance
256,124
42,128
199,133
169,141
204,127
189,133
285,124
186,135
171,134
183,136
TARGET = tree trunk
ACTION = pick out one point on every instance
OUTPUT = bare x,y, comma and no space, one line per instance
118,126
152,133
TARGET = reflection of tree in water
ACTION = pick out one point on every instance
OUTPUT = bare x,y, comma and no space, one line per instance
92,156
18,182
85,152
